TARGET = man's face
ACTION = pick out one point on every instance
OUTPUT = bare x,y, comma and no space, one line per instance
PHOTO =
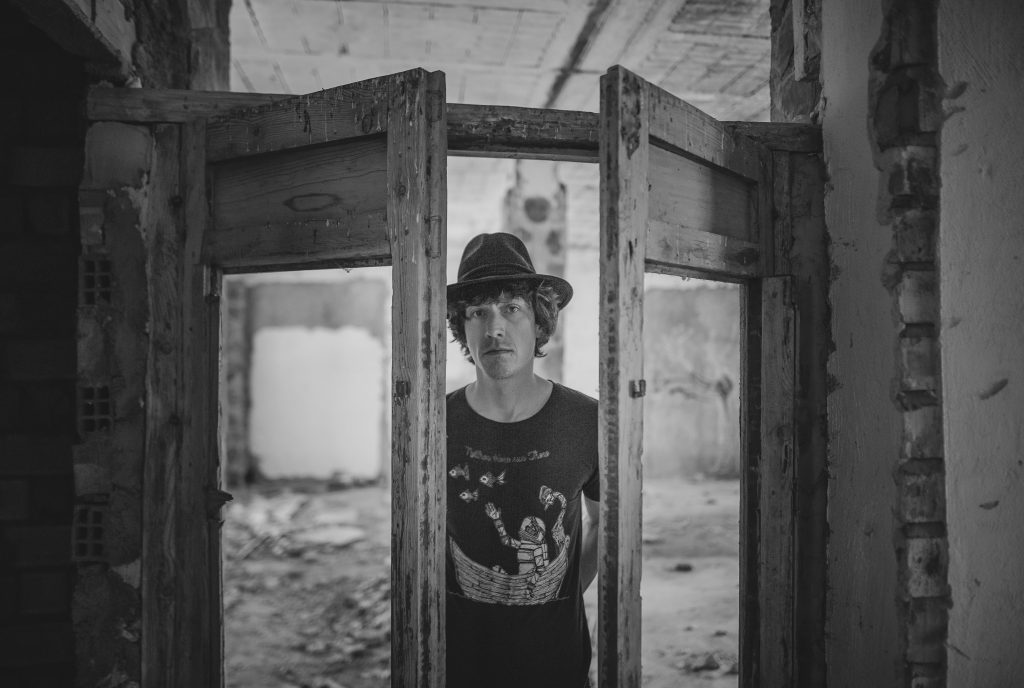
501,336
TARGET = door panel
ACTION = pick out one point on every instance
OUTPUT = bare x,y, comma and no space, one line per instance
342,178
283,207
683,194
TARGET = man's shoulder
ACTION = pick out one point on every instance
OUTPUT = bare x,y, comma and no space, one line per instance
576,398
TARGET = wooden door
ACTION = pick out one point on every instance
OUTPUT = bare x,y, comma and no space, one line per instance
346,177
683,194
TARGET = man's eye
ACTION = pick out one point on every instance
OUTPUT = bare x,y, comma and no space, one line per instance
513,308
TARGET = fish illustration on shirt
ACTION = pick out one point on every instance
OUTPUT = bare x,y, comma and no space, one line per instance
460,471
490,480
468,496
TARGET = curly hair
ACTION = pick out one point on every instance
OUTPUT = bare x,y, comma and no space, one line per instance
542,299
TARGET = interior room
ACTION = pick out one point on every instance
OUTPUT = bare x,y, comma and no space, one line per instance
792,227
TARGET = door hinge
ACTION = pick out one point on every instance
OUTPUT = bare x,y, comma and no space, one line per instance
637,388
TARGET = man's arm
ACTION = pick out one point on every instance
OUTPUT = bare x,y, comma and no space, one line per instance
588,553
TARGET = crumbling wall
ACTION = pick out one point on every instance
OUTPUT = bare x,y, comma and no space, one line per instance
886,611
41,150
981,58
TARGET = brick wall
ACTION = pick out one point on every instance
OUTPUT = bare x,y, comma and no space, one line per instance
41,147
905,117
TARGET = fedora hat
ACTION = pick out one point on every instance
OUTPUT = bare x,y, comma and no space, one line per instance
502,257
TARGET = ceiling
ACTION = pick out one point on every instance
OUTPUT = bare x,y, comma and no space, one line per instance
531,53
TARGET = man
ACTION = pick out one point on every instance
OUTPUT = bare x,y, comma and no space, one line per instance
522,467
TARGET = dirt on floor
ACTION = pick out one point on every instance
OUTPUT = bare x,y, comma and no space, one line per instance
307,599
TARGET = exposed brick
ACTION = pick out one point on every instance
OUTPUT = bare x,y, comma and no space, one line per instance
926,631
922,433
911,171
45,166
915,236
35,455
50,211
922,497
10,314
912,34
917,297
45,592
29,262
14,500
919,363
47,407
29,546
27,644
40,359
41,313
927,562
52,498
12,215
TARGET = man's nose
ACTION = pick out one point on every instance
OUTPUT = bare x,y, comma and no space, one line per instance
495,325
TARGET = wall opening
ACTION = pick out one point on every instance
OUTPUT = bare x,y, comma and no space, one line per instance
306,438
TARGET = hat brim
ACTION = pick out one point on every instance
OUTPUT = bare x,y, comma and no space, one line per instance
561,287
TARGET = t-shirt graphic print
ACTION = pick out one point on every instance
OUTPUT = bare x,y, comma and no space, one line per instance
514,533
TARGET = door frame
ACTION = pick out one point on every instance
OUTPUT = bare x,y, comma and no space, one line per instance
531,133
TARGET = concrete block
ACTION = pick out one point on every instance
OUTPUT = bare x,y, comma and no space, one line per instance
919,364
35,455
927,621
45,167
922,433
922,497
918,297
14,500
40,359
12,220
10,314
50,211
45,592
31,546
25,644
927,563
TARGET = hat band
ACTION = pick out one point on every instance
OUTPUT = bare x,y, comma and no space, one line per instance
496,271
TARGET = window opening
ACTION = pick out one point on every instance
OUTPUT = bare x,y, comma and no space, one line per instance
306,439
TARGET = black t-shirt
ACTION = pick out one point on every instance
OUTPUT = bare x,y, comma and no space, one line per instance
515,612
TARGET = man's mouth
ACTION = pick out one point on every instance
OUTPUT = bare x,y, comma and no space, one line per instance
497,351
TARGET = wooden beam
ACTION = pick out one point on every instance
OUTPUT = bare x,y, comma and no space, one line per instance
791,137
165,612
624,174
103,104
705,252
473,130
514,132
776,470
106,43
416,209
693,132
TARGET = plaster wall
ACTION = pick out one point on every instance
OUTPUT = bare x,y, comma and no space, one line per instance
864,425
981,58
